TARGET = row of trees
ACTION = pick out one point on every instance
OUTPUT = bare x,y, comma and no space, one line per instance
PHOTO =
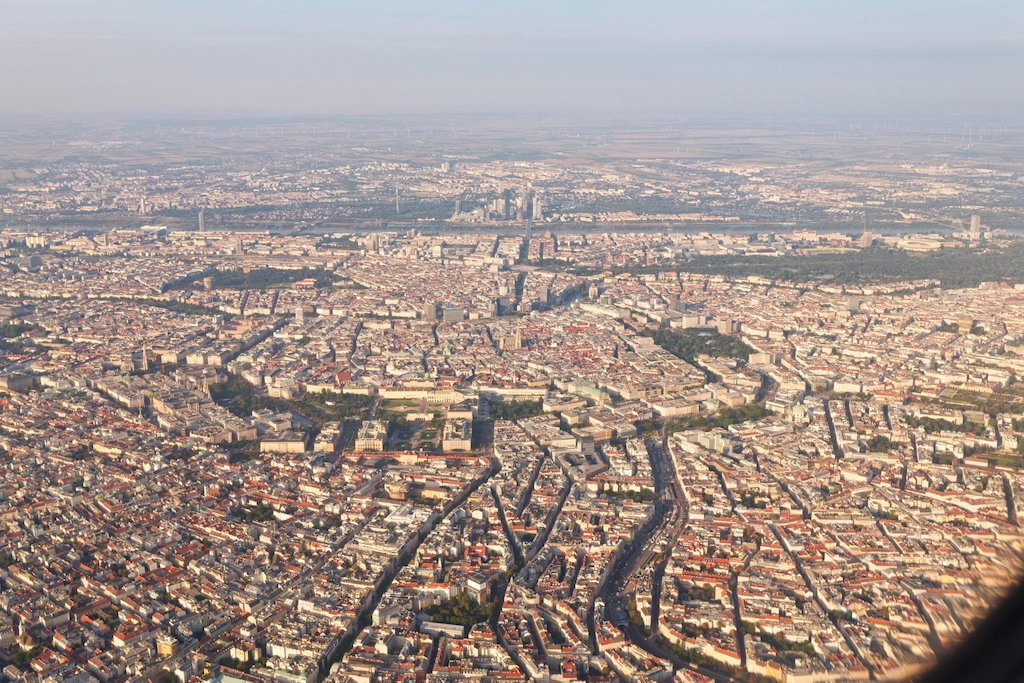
460,610
931,424
954,268
723,419
641,496
515,410
688,344
259,278
178,307
241,398
9,335
259,513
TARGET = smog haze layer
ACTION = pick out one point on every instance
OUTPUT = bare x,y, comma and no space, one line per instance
786,59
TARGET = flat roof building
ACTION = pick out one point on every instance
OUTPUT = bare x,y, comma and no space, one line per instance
458,435
372,436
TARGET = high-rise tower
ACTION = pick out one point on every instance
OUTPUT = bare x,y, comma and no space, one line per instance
975,227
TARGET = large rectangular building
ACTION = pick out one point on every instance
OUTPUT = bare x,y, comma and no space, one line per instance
453,315
457,436
372,436
285,442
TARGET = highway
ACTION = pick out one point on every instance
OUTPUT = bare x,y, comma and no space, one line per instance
670,515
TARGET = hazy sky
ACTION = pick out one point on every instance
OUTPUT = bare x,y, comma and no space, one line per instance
708,57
